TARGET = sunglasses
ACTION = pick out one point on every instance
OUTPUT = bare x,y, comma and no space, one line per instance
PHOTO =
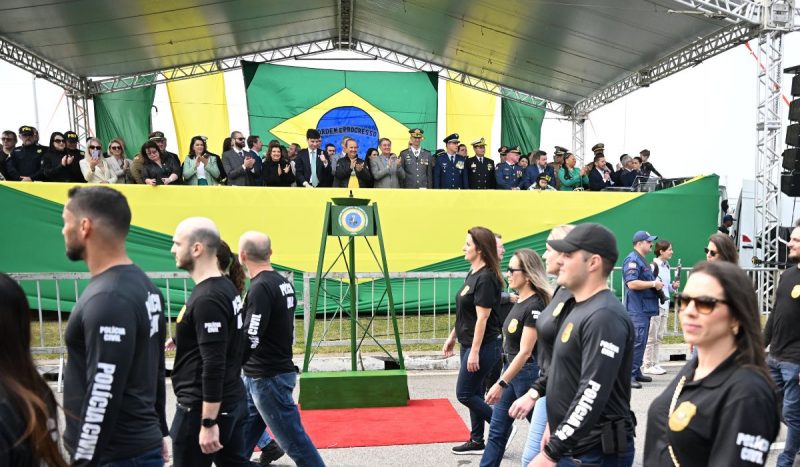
95,147
512,270
58,140
115,147
239,139
711,253
6,138
703,304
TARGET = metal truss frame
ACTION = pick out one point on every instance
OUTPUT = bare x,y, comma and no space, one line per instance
345,23
689,56
731,10
78,111
122,83
579,137
468,80
769,130
40,67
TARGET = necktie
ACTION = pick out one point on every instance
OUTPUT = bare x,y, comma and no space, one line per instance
314,179
480,160
452,160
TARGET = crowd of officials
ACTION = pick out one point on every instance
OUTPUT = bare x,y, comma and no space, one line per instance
242,164
570,354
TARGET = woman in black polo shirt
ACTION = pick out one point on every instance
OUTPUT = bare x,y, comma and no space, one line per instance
525,275
721,408
477,329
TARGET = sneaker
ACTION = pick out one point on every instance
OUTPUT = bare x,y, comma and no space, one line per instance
270,452
470,447
511,436
654,370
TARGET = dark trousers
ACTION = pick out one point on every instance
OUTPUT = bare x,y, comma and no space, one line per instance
149,459
185,434
469,386
641,328
596,458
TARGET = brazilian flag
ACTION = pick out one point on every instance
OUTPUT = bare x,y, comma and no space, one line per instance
283,102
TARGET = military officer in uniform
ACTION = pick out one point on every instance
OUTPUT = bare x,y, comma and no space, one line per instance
417,162
480,169
509,174
450,171
558,160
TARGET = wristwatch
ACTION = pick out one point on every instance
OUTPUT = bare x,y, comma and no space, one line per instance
208,422
533,394
502,383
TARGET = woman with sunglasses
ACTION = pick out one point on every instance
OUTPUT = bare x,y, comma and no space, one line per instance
157,169
200,167
94,166
525,275
547,327
477,329
58,165
118,161
721,409
721,248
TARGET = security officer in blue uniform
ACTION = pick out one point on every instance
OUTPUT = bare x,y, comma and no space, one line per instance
25,162
641,299
480,169
450,172
509,174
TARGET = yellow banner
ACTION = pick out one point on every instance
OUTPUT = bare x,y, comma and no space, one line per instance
470,113
199,107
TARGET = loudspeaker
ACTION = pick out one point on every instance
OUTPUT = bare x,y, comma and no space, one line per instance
791,159
790,184
796,86
794,110
793,134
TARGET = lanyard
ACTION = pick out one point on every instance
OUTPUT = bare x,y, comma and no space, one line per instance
672,405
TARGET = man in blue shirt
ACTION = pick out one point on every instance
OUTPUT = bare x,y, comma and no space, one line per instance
641,299
450,169
538,166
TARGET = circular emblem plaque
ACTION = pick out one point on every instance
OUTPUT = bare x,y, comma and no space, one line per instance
353,220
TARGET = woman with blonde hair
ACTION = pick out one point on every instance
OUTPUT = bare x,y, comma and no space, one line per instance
94,166
526,275
118,161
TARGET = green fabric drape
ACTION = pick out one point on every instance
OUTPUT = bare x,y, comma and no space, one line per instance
126,115
521,125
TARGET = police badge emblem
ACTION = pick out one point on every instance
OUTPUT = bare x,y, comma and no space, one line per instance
512,326
464,290
567,331
557,309
680,418
796,291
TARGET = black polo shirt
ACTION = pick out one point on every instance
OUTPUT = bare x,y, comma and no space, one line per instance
782,333
547,326
728,418
523,314
481,288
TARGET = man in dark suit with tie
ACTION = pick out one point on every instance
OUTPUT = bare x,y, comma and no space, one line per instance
600,175
240,164
480,169
450,170
537,167
312,166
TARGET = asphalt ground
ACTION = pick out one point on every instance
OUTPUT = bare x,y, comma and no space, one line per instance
441,384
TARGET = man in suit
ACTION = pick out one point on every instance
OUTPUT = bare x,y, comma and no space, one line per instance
600,175
417,162
537,167
312,166
240,163
352,171
450,171
480,169
387,170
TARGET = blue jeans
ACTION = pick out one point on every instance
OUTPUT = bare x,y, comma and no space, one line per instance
273,399
500,428
255,433
641,327
538,423
148,459
596,458
787,377
469,386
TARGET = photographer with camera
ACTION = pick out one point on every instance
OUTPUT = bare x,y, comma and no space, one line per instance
641,299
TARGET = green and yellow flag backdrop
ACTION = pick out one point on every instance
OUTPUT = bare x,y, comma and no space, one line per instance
470,113
199,108
424,230
283,102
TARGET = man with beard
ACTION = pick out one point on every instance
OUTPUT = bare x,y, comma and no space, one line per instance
241,166
210,413
782,335
588,389
114,391
25,162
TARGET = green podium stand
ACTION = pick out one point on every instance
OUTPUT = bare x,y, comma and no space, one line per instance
351,219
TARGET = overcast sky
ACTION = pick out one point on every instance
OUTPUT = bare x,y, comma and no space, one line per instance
699,121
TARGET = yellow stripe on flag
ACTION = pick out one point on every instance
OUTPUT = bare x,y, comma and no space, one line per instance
199,107
470,113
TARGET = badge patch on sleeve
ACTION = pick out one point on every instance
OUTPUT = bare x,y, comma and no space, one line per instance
632,265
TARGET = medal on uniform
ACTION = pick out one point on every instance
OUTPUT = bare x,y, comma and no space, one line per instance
567,331
464,290
796,291
680,418
512,326
460,165
557,309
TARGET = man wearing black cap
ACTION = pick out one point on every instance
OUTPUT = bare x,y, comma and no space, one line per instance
450,170
25,162
312,167
641,298
588,387
71,139
480,169
727,223
417,162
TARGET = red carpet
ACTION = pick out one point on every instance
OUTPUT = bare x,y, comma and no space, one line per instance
421,422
